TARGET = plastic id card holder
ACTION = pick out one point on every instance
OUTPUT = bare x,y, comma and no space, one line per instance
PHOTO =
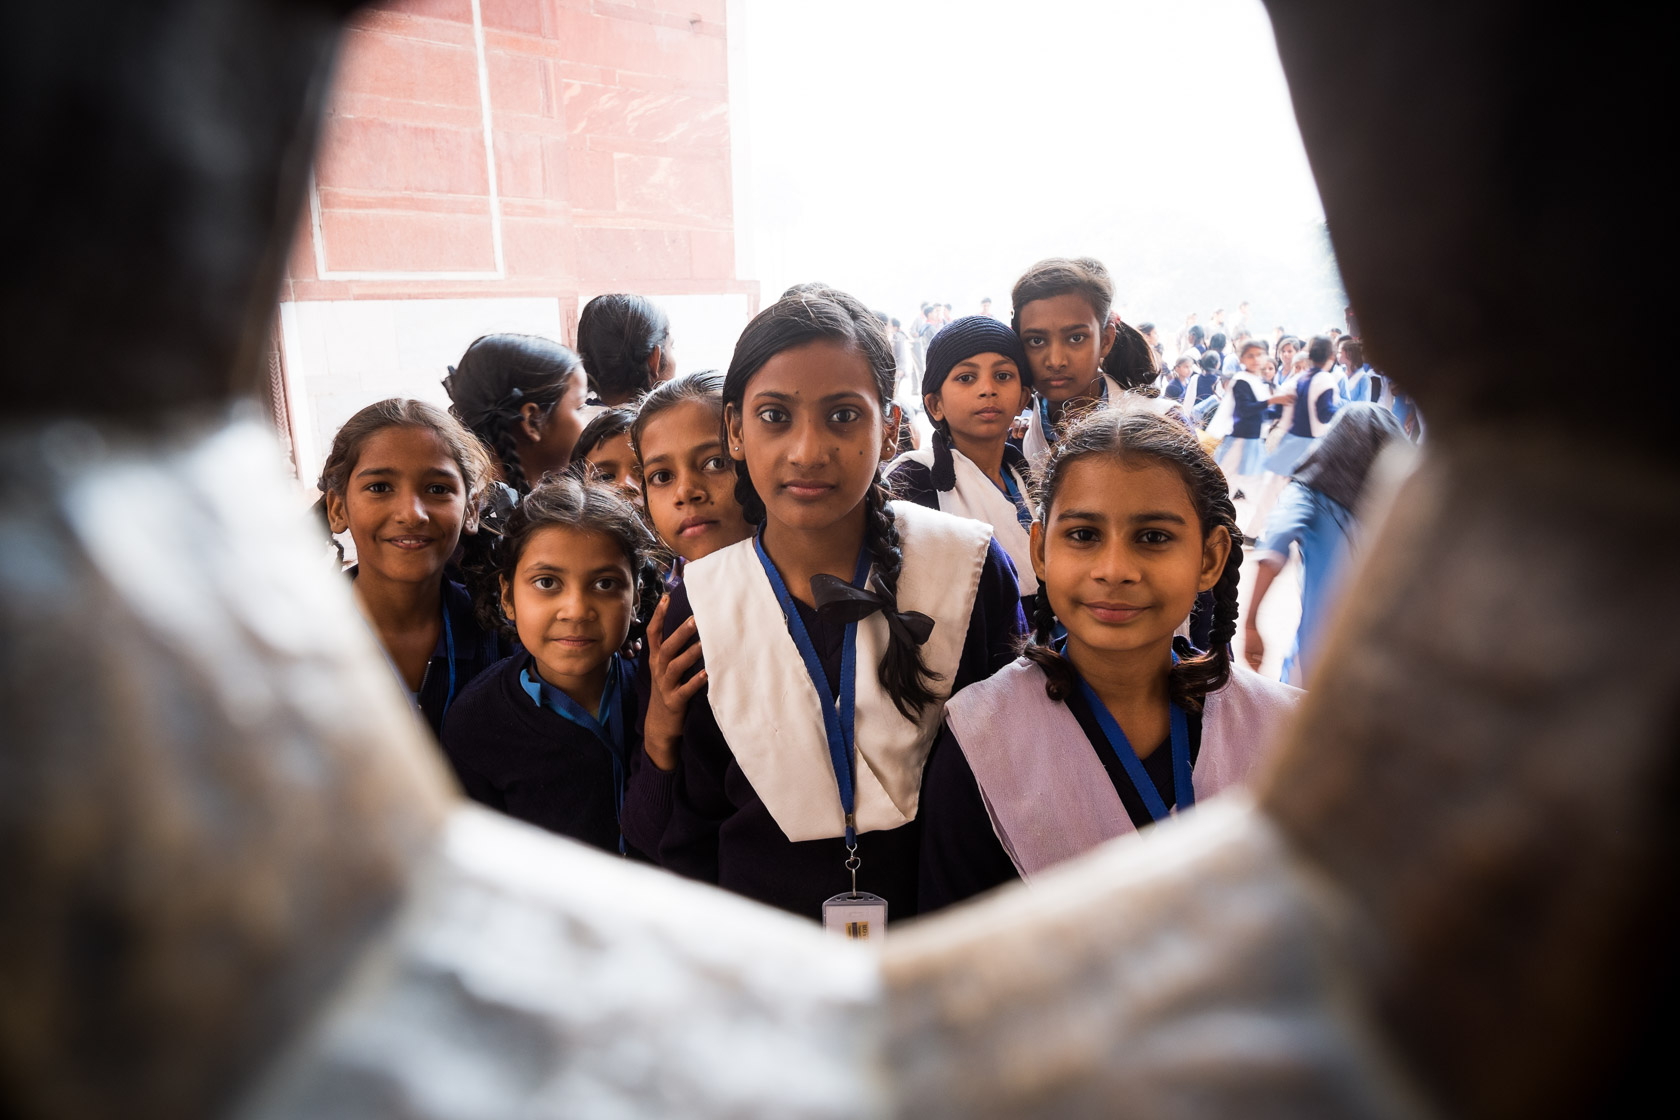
856,916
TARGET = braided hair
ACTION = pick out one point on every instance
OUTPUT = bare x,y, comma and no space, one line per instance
497,376
1131,429
815,312
568,502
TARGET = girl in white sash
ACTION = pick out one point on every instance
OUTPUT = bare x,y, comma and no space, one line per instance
832,638
1316,394
1062,310
1063,750
976,381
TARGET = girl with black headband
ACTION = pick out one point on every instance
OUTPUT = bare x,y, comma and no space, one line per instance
832,638
977,381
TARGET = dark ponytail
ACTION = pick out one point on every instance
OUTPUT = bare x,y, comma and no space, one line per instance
496,378
1136,428
809,313
617,334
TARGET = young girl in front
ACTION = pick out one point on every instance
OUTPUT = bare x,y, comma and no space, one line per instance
977,380
552,735
1069,747
404,479
1062,310
833,637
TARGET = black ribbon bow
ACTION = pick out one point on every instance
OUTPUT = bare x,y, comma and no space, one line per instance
841,601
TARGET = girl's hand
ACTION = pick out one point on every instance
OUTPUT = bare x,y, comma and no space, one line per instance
1019,428
1254,647
668,661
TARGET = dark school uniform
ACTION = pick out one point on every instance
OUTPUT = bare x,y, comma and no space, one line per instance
464,650
515,749
961,853
721,832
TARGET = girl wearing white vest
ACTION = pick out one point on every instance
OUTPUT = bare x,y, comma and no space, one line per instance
977,379
831,638
1067,748
1062,310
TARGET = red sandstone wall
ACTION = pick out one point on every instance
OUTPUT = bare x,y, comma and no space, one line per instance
610,134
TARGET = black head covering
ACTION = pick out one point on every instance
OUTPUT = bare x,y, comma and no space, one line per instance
1339,463
963,338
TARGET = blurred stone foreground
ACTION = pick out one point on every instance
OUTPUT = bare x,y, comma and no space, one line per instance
238,883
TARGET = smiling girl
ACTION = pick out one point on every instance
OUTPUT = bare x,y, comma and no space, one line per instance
1067,748
552,735
833,637
977,380
403,479
1062,310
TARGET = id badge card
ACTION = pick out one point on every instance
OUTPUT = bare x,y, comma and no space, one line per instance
856,916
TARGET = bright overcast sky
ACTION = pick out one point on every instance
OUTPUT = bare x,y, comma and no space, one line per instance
930,149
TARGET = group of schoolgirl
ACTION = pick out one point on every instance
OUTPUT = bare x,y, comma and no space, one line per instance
780,658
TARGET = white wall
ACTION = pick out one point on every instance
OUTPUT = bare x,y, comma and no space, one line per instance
341,355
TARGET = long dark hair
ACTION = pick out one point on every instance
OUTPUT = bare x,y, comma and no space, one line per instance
567,502
497,377
809,313
1134,429
616,335
399,412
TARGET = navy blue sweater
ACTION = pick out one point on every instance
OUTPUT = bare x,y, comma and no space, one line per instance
535,764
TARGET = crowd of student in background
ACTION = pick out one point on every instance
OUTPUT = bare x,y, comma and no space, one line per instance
876,617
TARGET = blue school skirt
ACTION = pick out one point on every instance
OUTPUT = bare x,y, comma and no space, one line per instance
1291,449
1247,454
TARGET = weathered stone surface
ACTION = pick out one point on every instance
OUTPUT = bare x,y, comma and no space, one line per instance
210,790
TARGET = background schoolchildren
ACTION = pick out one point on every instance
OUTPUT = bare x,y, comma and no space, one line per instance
1239,419
977,380
1317,515
552,734
603,450
625,342
767,763
1062,308
1067,748
523,396
403,479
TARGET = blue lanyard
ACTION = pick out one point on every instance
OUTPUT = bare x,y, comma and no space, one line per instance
1013,492
1183,789
611,736
449,649
837,724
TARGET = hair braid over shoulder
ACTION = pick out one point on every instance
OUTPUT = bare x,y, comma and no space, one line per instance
902,672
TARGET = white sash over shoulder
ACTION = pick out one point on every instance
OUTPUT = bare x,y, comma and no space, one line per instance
771,713
1047,793
976,496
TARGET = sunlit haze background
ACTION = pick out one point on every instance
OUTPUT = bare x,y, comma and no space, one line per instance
930,150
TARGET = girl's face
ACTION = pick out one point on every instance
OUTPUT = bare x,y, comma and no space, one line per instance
549,439
1286,356
404,505
688,482
812,431
572,599
1065,346
1122,554
614,462
980,398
